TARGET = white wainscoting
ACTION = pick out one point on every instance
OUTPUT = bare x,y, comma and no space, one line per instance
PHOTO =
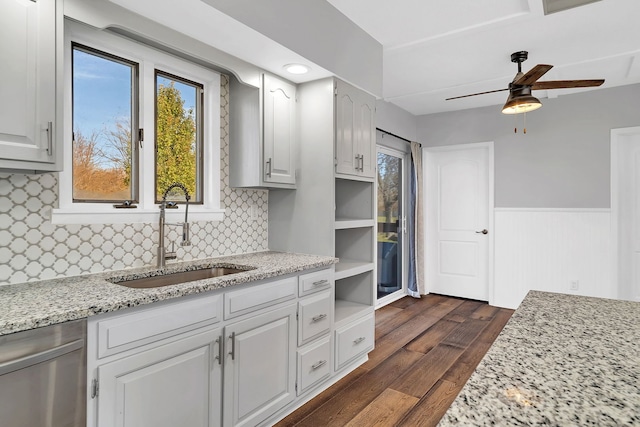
547,249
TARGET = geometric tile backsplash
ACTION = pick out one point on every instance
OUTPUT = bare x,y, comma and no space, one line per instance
31,248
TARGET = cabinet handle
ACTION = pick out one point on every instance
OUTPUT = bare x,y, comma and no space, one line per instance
361,162
318,318
358,340
232,337
357,162
318,365
219,356
268,173
321,282
50,138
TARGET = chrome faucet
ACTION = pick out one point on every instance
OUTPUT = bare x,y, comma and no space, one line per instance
163,255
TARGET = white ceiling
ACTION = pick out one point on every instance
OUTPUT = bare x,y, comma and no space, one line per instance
436,49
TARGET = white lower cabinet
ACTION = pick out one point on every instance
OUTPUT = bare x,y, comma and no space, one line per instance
226,358
314,364
354,340
176,384
259,366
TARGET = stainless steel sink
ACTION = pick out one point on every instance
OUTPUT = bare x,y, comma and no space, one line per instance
179,277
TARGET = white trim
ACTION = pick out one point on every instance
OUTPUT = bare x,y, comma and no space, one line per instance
405,162
489,145
552,210
615,200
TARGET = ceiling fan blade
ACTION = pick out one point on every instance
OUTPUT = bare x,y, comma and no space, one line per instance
562,84
533,75
474,94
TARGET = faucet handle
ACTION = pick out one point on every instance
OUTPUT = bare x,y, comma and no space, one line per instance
185,235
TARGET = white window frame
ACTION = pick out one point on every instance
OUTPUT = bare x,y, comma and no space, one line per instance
148,59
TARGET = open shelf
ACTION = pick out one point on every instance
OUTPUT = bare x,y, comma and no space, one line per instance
353,296
354,200
355,244
344,223
348,267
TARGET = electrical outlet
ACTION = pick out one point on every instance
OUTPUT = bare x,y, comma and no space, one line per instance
253,213
574,285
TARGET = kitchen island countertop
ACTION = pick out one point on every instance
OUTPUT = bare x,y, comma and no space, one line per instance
561,360
35,304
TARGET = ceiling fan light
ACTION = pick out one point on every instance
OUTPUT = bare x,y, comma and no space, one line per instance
521,104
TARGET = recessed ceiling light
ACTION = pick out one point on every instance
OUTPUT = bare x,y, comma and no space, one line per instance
296,68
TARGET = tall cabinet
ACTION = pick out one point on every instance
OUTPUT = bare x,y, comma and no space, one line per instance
31,32
332,210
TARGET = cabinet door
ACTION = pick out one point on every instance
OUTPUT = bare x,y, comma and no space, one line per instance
176,384
279,100
27,94
260,367
366,135
347,156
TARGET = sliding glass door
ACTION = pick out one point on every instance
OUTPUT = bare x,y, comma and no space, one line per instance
391,225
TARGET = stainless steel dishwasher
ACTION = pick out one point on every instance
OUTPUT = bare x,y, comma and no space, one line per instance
43,376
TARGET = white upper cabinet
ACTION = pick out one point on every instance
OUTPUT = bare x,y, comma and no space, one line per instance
28,93
279,101
263,146
355,132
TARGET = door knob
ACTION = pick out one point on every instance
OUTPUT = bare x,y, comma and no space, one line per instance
485,231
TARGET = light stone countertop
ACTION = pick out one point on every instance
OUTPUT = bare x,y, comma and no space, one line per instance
35,304
561,360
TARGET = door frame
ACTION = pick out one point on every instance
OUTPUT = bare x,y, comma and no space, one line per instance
404,156
430,200
616,142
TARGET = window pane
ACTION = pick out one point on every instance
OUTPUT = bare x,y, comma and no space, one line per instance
178,136
389,217
103,157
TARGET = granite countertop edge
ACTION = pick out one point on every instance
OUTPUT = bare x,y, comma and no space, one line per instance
32,305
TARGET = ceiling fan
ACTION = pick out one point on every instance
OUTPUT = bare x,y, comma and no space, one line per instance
520,99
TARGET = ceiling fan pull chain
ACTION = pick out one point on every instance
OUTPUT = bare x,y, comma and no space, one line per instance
525,122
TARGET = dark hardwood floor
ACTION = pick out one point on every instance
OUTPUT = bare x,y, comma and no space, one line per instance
426,349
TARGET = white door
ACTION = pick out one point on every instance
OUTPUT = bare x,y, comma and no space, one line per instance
279,132
458,206
346,131
176,384
626,205
259,368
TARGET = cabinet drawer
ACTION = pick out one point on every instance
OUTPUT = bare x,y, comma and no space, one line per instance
314,316
354,340
313,364
243,301
125,331
316,281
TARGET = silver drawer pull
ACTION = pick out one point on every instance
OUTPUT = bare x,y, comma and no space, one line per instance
358,340
318,318
318,365
321,282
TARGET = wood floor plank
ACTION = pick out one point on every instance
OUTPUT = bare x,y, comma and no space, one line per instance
403,303
485,312
432,407
465,333
463,311
386,410
346,405
454,335
427,371
436,304
404,333
387,312
432,336
295,417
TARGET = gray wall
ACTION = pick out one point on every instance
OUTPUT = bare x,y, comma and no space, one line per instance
391,118
564,159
